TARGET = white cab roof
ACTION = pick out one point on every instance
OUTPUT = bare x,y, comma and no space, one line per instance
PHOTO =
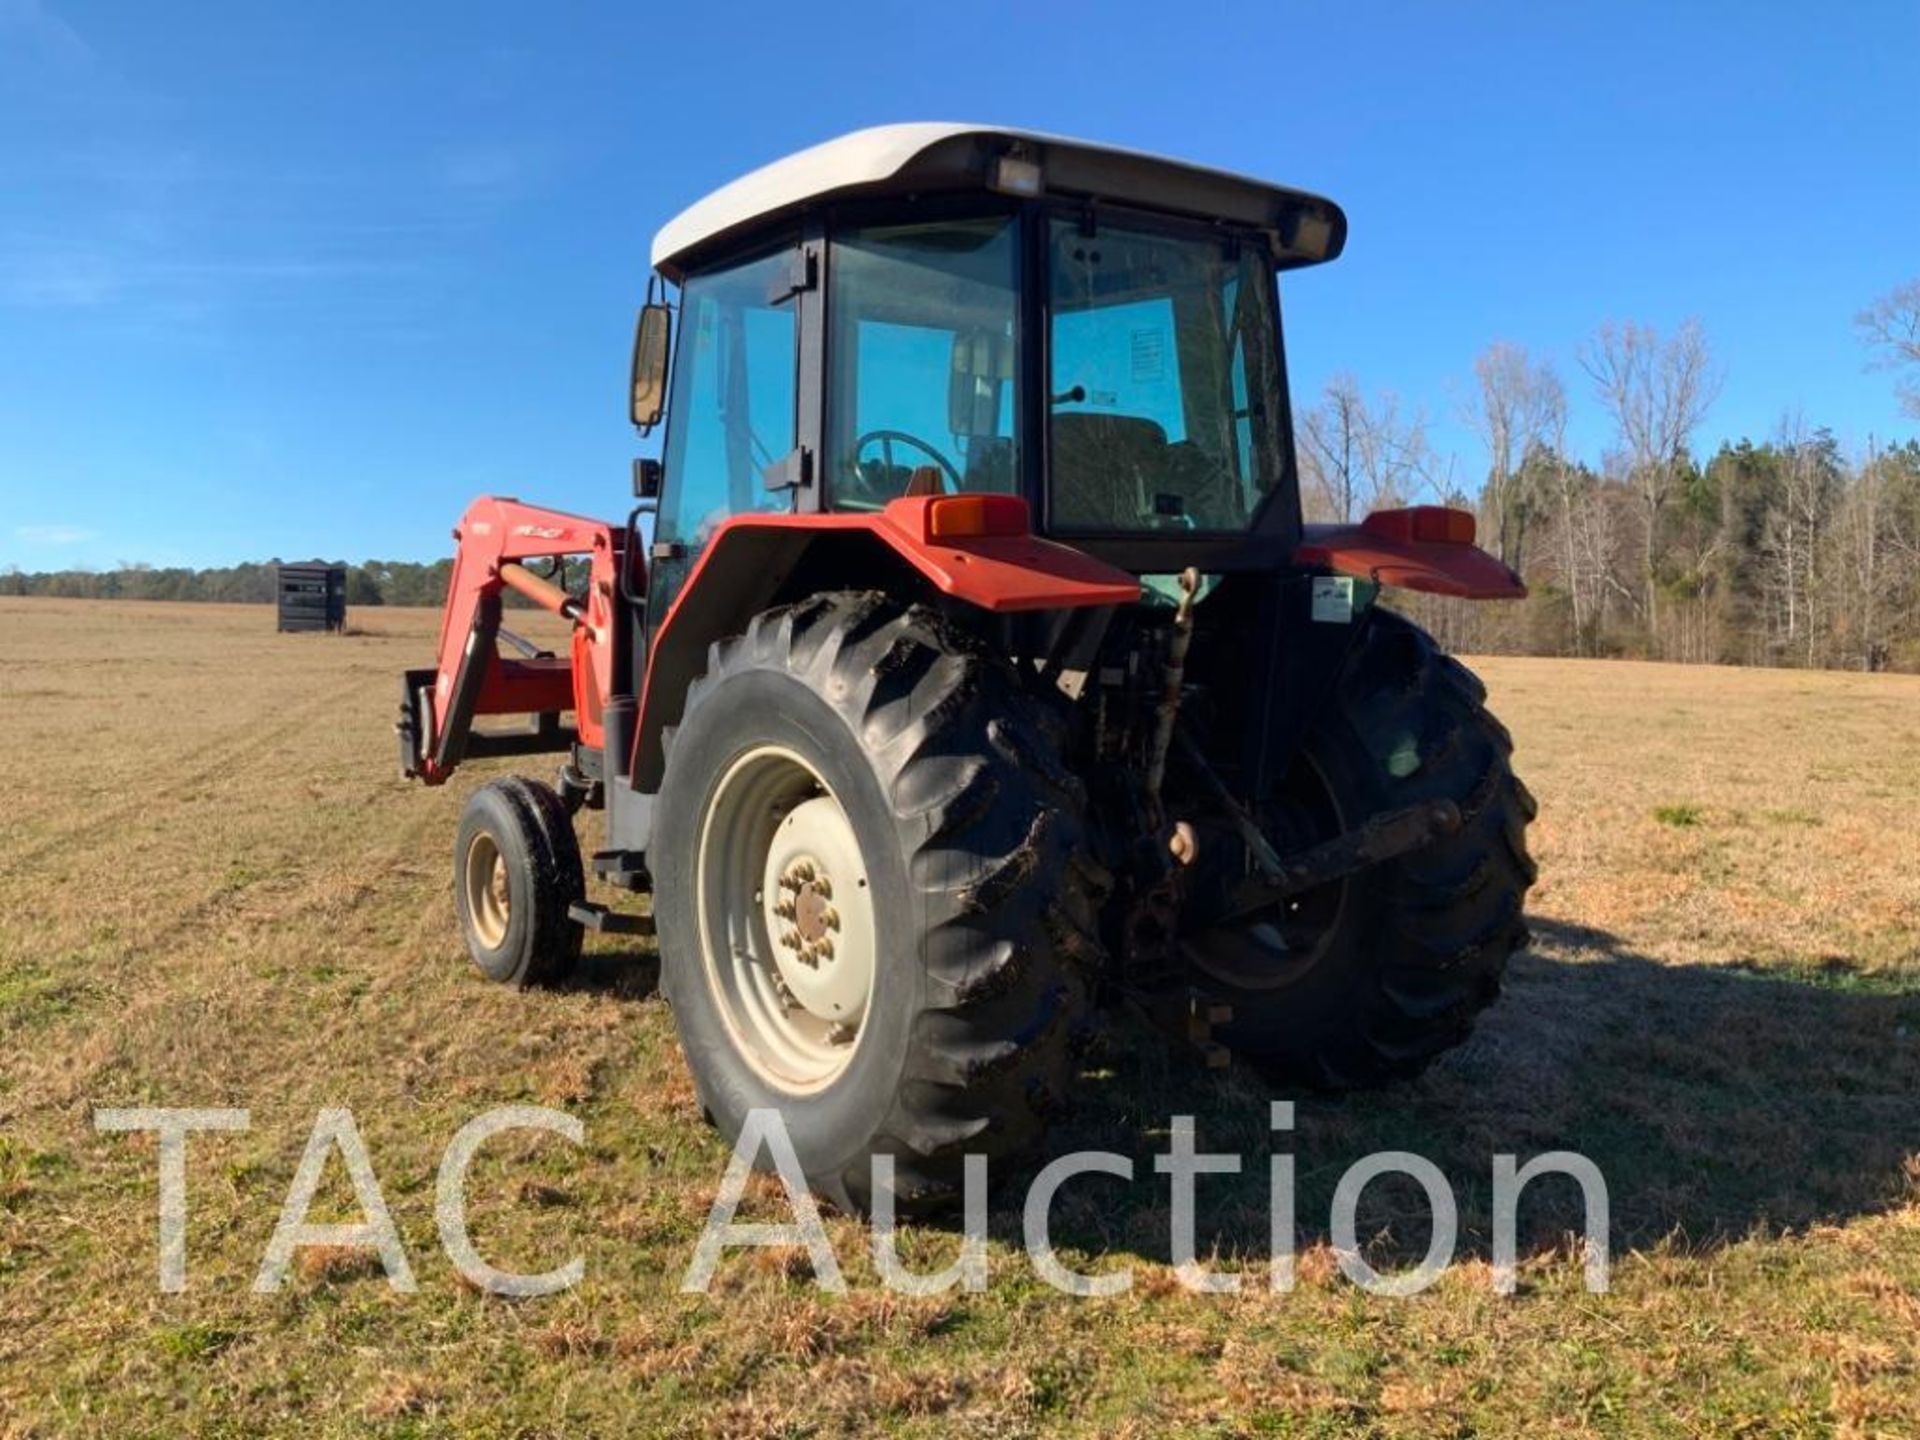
904,160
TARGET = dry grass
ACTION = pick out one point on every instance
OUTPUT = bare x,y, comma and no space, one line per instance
214,891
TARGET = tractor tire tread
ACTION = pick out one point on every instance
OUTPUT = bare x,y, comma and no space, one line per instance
993,837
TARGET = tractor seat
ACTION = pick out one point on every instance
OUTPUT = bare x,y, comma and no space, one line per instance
990,464
1106,468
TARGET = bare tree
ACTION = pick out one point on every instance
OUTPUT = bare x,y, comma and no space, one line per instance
1788,539
1570,487
1330,455
1860,529
1657,393
1512,409
1607,526
1891,328
1397,463
1362,455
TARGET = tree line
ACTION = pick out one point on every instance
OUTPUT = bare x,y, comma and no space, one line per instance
377,582
1787,550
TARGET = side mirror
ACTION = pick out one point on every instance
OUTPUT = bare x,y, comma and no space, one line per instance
647,392
646,479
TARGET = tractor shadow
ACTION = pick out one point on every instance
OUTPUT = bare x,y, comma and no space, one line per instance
1718,1103
624,969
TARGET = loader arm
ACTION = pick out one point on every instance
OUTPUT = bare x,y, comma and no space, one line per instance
472,678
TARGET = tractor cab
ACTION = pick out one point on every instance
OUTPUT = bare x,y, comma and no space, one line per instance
940,309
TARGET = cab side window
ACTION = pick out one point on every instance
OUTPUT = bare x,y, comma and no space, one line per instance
733,400
923,337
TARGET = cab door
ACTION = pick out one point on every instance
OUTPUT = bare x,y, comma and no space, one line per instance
734,420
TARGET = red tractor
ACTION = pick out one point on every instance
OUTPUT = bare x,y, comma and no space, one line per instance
966,664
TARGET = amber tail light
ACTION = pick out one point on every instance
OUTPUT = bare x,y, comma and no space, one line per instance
957,517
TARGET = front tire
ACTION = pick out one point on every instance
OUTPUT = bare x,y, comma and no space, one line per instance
873,746
1366,981
516,872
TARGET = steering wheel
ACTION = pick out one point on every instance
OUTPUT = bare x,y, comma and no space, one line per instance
887,439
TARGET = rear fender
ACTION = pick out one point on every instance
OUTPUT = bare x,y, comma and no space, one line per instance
1393,547
747,563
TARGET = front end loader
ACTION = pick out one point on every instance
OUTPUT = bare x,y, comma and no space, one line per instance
966,665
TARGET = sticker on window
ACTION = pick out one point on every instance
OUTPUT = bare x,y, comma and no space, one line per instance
1149,355
1333,599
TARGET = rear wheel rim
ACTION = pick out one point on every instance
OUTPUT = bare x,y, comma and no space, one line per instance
489,896
788,941
1281,945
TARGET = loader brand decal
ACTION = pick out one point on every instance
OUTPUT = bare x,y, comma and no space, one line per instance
1333,599
539,532
764,1144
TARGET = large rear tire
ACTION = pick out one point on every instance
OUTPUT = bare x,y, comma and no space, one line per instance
1366,981
873,911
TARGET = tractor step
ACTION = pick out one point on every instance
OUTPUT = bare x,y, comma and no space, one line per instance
608,922
622,867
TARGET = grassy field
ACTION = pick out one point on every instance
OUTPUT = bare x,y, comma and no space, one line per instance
215,891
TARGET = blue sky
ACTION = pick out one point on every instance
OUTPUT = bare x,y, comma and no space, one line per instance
281,279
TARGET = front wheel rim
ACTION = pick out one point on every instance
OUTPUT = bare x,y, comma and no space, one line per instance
788,941
488,894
